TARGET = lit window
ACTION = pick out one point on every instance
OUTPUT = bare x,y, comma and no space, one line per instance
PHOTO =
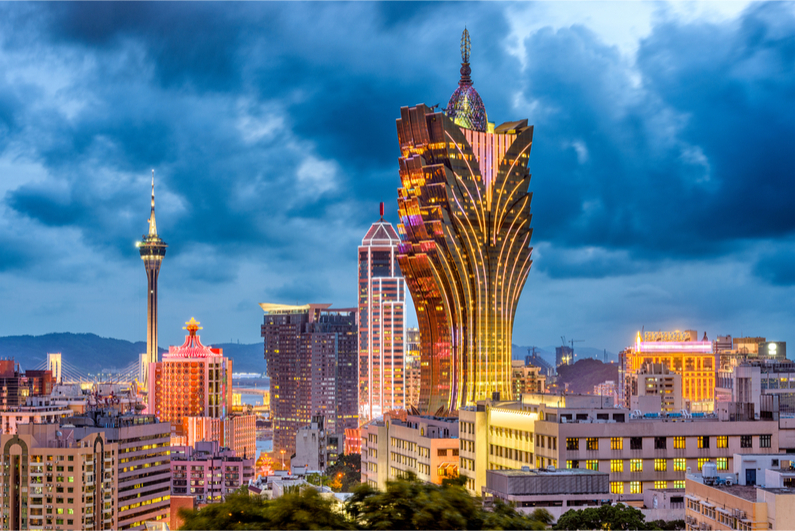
723,441
701,462
679,443
592,464
660,484
703,442
723,463
680,465
591,443
660,465
636,465
679,484
635,487
616,443
616,465
616,487
572,443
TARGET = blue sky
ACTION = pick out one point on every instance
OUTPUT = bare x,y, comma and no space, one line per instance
663,163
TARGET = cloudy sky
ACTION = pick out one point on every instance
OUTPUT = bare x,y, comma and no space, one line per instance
663,163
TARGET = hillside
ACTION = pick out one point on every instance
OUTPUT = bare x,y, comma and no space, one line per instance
90,353
585,374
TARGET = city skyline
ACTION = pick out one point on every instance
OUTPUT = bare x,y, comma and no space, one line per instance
643,214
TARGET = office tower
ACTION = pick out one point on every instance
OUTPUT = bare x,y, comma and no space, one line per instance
412,368
312,357
192,381
16,386
465,234
93,471
152,250
382,300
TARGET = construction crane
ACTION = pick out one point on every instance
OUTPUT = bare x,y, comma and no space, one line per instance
571,342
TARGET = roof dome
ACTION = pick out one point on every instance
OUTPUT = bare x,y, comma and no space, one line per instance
465,107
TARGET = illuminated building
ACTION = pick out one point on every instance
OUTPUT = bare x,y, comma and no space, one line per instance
655,388
527,378
152,250
606,388
312,359
382,300
54,365
412,368
192,381
16,386
564,356
209,472
683,354
465,234
240,434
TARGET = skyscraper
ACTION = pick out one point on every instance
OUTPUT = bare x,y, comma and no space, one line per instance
382,300
465,234
192,381
312,360
152,250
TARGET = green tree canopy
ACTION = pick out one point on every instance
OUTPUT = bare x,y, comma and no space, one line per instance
610,517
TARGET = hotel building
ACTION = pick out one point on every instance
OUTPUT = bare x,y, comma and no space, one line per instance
312,356
382,301
465,234
208,471
585,431
192,381
683,354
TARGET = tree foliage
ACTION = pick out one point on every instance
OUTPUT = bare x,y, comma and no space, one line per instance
610,517
346,473
412,504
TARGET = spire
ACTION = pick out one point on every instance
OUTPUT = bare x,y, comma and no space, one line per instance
466,45
152,224
381,209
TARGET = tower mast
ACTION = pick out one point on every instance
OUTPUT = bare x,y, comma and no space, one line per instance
152,250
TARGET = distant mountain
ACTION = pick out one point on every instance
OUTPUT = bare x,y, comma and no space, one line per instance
548,353
89,353
585,374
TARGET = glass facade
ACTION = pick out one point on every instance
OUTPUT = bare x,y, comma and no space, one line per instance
465,250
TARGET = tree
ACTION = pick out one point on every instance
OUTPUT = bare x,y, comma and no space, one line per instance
346,473
302,509
609,517
411,504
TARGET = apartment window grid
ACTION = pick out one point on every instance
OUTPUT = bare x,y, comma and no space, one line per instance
679,443
703,443
660,443
636,443
636,465
765,441
746,441
722,463
660,465
591,443
635,487
572,443
616,443
680,465
701,461
722,441
660,484
592,464
616,487
679,484
616,465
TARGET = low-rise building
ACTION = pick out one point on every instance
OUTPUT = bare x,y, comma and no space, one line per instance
208,471
423,445
37,410
526,378
655,379
556,490
585,431
240,434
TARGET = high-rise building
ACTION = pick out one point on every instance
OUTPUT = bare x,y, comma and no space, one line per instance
382,301
192,381
465,235
93,471
412,368
16,386
54,364
312,358
152,250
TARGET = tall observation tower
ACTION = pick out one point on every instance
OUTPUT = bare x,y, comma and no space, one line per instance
153,250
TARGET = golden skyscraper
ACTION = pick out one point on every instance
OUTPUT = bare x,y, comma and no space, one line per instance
465,234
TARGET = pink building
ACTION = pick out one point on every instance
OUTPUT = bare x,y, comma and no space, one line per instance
208,471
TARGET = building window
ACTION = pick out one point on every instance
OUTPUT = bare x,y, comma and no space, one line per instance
679,484
636,443
703,443
616,465
659,443
616,487
765,441
591,443
592,464
572,443
635,487
616,443
679,443
660,484
660,465
746,441
723,441
572,464
680,465
701,462
723,463
636,465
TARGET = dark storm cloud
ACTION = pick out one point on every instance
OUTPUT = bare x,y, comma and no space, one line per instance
267,122
777,265
690,160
